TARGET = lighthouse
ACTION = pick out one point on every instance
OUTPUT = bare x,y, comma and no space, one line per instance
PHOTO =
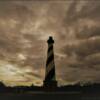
50,75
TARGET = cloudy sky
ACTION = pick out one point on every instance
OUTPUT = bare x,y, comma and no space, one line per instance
25,26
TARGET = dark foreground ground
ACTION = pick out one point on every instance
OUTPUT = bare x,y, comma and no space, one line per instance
51,96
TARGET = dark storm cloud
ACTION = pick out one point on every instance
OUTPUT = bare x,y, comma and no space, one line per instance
84,47
82,9
13,17
87,33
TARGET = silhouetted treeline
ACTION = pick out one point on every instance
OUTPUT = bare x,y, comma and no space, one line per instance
89,88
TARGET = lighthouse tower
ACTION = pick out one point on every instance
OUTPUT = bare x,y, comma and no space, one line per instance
50,76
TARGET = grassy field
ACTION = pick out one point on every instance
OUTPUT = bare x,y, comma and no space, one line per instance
50,96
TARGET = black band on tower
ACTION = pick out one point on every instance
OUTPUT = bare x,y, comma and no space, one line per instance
49,60
50,75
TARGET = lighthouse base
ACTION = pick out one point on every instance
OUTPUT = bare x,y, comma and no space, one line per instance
50,85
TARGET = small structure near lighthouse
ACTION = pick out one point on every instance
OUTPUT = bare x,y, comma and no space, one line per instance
50,75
